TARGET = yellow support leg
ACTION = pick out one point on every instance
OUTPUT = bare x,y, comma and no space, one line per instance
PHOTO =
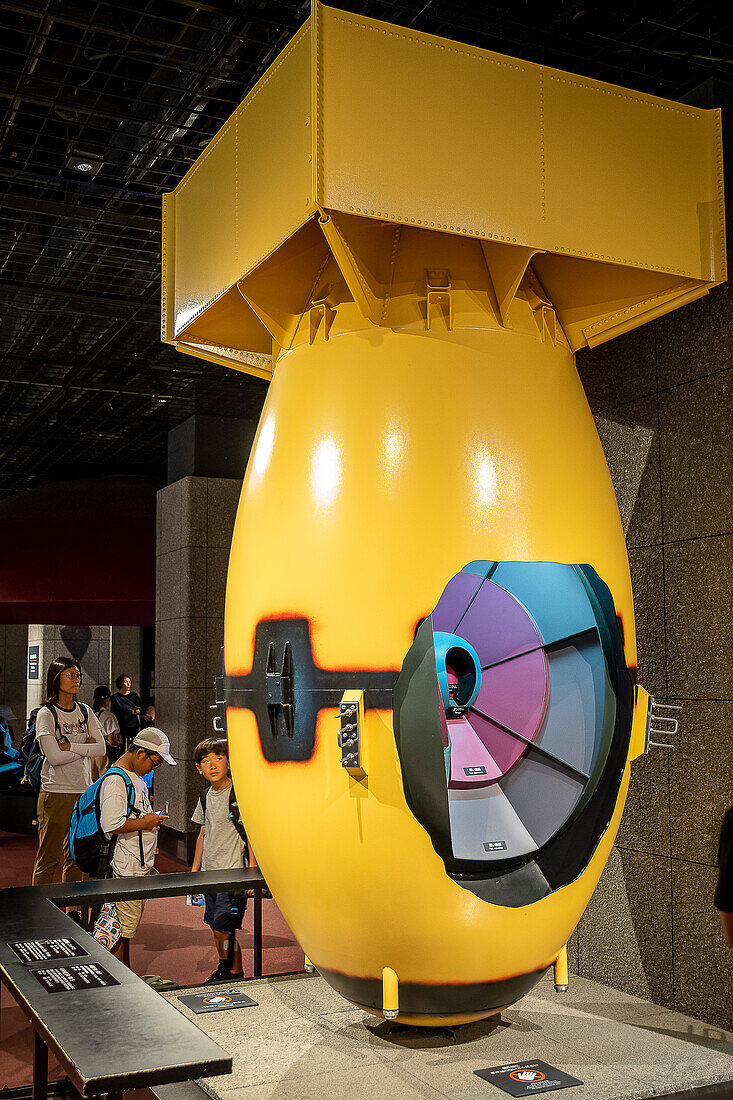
561,971
390,994
308,966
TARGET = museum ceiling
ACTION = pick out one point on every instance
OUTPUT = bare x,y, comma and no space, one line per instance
103,107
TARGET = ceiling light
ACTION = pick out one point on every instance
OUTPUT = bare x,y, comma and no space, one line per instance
84,164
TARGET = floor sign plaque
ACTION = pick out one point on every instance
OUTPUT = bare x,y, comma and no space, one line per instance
527,1078
217,1001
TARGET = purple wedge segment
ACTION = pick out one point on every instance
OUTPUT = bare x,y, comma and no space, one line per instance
515,693
456,597
497,626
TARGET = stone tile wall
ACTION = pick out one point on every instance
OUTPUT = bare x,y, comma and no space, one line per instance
651,928
13,657
126,657
89,645
195,523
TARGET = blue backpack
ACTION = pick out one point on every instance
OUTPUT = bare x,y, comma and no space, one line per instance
90,849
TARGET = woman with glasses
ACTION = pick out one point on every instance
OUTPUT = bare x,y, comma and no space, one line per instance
70,736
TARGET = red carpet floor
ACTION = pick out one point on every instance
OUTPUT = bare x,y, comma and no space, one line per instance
172,941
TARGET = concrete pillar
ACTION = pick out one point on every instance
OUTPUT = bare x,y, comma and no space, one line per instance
13,654
195,523
126,658
195,520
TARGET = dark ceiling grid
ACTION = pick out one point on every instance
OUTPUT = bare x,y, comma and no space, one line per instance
137,90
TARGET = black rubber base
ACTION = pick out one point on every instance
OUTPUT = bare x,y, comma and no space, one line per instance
436,1001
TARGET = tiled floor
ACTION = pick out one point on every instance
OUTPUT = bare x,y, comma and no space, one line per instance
303,1040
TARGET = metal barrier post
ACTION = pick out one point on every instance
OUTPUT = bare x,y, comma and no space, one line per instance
40,1068
257,938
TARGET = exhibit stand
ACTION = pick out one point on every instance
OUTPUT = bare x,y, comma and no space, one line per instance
301,1040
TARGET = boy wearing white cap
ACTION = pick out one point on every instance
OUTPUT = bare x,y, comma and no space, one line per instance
135,830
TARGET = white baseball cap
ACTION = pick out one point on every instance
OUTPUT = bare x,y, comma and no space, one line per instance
154,741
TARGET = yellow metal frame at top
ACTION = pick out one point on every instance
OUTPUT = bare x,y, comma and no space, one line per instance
620,194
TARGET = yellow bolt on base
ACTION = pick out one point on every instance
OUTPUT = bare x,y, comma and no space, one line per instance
390,994
308,966
561,971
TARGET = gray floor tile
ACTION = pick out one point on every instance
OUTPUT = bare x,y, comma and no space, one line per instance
626,931
696,449
621,1047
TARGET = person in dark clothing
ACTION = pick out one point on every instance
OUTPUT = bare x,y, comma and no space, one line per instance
126,708
724,893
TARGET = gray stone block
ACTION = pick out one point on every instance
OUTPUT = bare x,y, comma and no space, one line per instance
214,642
223,498
647,578
217,561
16,634
168,716
192,653
696,340
698,590
194,716
645,821
168,654
696,442
703,963
700,785
169,595
626,931
645,525
194,494
627,448
168,519
15,662
620,370
126,635
126,662
193,581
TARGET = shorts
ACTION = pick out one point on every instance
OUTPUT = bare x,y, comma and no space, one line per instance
224,912
129,914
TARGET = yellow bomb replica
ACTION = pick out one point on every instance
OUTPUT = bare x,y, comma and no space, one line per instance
429,640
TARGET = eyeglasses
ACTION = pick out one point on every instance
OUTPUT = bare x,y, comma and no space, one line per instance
73,674
155,763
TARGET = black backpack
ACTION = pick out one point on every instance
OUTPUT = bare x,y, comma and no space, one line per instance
30,748
234,816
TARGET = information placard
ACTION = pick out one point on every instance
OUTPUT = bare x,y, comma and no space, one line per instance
527,1078
37,951
217,1001
64,979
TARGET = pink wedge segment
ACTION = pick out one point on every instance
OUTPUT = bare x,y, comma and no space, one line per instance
471,763
515,694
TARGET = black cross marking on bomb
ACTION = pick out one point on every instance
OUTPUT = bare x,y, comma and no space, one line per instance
286,689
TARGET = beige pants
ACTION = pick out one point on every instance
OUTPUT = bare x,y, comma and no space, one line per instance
129,914
54,818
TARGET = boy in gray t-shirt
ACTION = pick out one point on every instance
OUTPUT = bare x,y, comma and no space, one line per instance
221,844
